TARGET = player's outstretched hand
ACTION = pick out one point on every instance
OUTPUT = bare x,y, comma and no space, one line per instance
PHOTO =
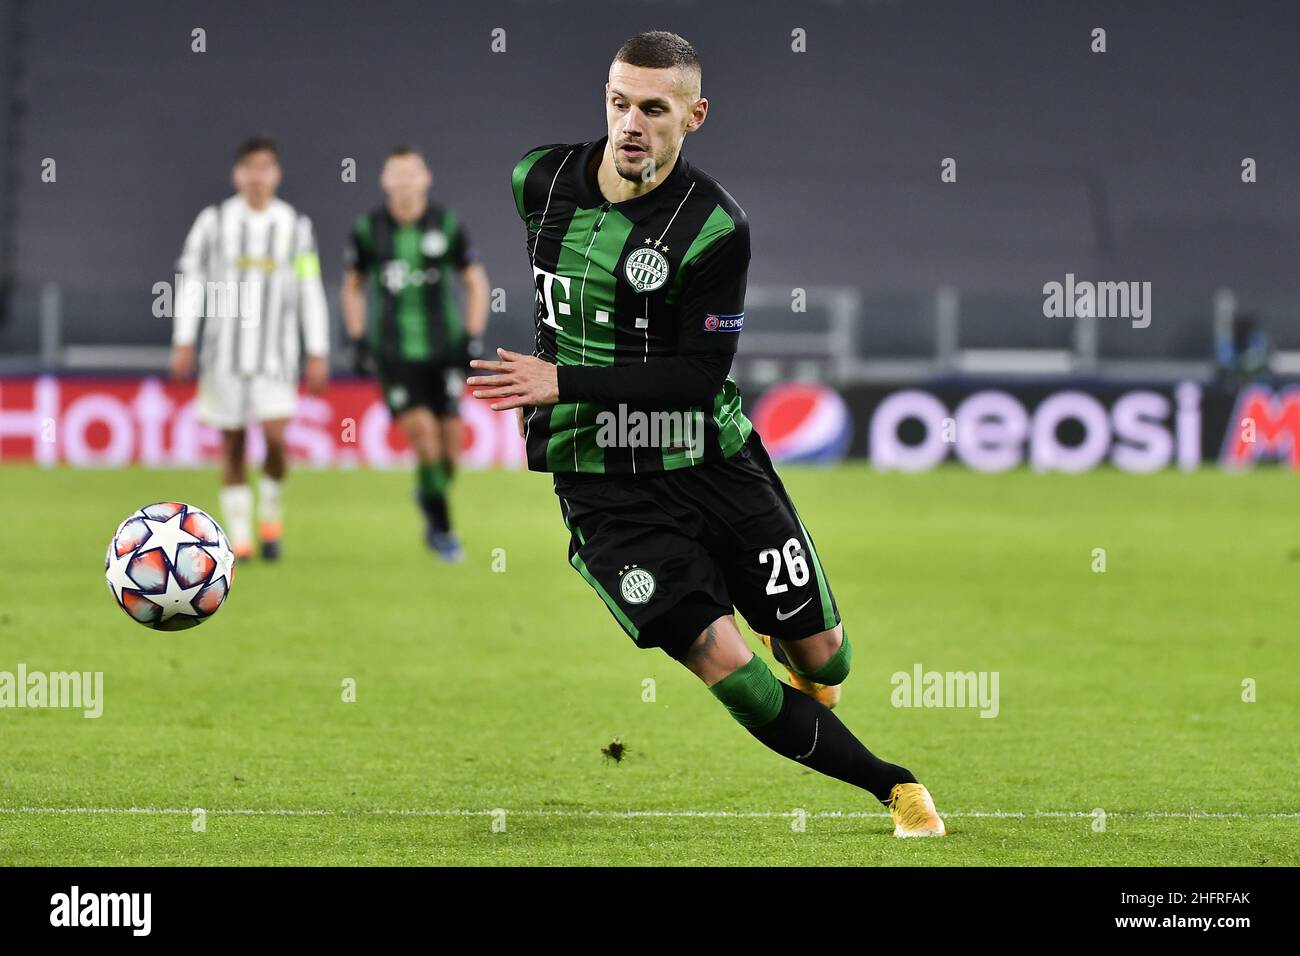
518,380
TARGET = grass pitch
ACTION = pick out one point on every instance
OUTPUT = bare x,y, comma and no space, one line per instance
480,690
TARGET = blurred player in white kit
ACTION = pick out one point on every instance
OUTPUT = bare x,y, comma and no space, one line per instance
250,266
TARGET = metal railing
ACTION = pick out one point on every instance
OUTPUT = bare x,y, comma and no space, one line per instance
813,333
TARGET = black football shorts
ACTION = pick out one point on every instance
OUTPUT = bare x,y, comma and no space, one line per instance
436,386
671,552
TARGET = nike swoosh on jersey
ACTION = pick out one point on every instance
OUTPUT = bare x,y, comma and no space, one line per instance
786,617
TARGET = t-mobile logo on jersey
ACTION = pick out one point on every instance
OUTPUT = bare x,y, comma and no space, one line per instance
632,428
398,274
546,296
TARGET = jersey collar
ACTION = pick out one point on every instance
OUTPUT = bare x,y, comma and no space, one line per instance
667,193
421,223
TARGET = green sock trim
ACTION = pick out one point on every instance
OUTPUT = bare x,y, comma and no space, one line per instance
751,694
432,478
834,670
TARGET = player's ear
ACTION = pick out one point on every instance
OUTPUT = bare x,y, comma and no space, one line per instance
698,114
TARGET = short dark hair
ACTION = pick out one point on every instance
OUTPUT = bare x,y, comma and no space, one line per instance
256,144
658,50
402,150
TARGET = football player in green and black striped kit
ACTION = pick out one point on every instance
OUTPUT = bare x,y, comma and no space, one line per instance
407,327
676,517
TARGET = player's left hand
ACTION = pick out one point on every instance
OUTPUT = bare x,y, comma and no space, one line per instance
318,374
519,380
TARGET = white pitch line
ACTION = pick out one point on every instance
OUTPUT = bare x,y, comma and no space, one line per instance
620,814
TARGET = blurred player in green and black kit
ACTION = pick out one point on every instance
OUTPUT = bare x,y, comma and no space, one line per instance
640,262
406,326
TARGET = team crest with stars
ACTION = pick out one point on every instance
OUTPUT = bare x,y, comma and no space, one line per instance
647,269
433,243
637,585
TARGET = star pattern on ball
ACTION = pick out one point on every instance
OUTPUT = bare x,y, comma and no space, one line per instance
225,564
176,599
117,576
168,535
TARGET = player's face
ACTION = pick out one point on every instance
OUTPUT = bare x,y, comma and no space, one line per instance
405,179
648,113
256,177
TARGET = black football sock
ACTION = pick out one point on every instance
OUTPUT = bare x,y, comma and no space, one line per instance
432,496
800,728
435,511
806,731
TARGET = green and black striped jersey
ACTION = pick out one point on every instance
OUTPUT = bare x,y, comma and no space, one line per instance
413,315
629,283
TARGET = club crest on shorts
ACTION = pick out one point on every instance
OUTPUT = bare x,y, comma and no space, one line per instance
646,269
433,243
637,585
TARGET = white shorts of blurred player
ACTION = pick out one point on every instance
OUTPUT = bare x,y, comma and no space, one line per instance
228,401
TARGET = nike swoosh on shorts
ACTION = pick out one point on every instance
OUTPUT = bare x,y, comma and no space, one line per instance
786,617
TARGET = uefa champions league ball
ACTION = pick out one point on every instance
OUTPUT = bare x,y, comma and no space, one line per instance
169,566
